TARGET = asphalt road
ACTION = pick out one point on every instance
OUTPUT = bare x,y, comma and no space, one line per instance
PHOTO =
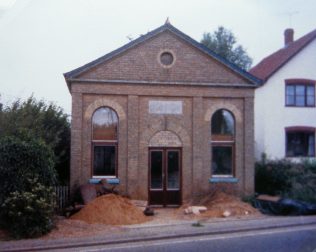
294,239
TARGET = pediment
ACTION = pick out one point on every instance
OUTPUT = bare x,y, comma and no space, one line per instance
166,56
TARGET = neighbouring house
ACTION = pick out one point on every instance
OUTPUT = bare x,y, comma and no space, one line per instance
164,116
285,113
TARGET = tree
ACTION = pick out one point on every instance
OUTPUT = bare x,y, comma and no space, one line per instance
223,42
41,120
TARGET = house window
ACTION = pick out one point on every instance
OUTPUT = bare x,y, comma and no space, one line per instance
300,142
104,142
300,93
222,143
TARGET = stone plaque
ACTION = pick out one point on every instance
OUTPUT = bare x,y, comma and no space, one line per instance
165,107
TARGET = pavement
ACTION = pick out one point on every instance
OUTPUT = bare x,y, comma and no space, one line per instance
143,233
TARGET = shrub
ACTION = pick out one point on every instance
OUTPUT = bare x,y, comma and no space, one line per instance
303,182
43,120
273,176
23,158
29,213
296,180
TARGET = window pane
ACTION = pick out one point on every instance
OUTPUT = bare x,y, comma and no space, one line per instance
222,160
290,100
223,123
310,100
300,144
156,169
173,170
290,90
300,90
300,101
104,161
310,92
104,124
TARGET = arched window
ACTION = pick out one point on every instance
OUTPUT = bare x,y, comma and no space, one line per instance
223,124
222,143
104,142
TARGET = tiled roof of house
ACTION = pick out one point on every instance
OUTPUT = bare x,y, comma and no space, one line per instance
269,65
167,26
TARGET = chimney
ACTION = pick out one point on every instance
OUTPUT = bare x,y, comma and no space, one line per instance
288,36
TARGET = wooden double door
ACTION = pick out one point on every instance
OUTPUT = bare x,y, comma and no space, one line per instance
165,176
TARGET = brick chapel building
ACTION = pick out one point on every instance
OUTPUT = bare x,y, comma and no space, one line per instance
164,116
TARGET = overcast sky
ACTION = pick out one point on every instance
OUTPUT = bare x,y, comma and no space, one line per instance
42,39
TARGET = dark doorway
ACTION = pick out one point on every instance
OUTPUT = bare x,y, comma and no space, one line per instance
165,176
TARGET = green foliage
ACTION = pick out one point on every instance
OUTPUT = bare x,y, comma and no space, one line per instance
295,180
303,182
21,158
29,213
223,42
41,120
273,177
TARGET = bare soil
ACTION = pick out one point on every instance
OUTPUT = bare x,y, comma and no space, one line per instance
109,213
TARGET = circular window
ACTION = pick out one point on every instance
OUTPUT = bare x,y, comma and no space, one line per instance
166,58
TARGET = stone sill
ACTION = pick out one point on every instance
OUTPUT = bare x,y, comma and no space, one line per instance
111,181
223,180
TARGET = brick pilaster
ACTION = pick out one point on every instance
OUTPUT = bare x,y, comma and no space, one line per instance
132,145
249,145
76,141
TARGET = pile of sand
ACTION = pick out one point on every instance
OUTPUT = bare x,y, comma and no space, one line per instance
111,209
219,203
222,202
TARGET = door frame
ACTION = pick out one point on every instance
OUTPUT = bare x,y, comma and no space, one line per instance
165,190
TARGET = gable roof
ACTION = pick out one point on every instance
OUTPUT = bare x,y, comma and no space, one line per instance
166,27
269,65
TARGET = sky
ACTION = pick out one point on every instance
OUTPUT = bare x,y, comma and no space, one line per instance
42,39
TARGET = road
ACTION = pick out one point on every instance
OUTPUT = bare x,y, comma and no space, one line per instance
293,239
